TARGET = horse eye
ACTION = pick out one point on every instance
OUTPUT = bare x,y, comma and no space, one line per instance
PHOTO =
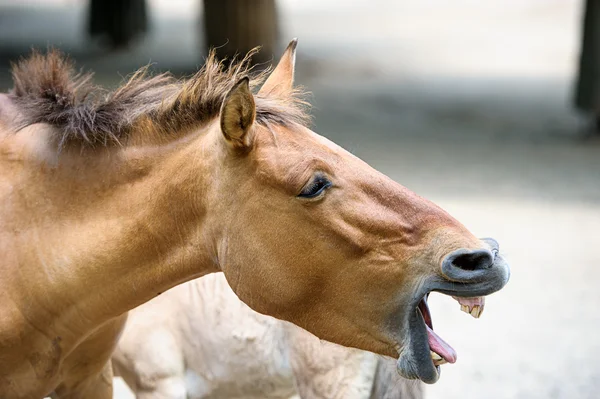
315,187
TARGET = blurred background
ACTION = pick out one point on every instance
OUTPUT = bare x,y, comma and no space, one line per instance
468,103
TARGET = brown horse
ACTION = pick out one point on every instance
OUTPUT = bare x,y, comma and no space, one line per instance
109,199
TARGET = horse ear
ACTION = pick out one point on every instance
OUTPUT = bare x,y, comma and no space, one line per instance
237,114
281,80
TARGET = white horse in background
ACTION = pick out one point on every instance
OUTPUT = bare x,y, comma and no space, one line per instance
198,340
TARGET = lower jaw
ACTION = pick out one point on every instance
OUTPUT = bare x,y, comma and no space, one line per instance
409,370
415,362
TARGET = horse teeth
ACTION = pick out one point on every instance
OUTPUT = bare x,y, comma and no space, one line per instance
437,359
473,306
476,311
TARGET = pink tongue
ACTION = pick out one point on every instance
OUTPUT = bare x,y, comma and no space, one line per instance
439,346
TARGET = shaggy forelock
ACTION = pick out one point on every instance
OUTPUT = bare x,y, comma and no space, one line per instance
48,89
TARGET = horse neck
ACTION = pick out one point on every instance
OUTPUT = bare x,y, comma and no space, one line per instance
129,224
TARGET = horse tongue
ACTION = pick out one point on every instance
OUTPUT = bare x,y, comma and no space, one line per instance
441,347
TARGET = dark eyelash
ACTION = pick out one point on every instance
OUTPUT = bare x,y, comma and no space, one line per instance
316,187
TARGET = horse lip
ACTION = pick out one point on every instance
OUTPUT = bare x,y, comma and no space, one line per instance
416,362
484,283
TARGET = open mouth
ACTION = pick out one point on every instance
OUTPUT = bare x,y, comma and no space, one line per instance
421,350
428,351
441,352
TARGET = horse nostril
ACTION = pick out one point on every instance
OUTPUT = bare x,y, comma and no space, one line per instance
474,260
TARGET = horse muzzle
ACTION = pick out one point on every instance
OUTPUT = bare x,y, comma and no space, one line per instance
468,276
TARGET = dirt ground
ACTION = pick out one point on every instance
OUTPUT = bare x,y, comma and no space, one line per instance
468,104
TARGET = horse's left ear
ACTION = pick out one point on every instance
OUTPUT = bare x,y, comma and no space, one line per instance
237,114
281,80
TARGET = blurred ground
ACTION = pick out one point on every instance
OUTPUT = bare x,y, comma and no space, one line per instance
465,102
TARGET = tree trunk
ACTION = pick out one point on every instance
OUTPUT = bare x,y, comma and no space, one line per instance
234,27
119,21
587,96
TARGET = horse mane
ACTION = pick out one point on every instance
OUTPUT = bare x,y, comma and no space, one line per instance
48,89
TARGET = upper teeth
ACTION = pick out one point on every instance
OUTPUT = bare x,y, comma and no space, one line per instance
476,311
473,306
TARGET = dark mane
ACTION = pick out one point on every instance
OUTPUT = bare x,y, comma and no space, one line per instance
47,89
